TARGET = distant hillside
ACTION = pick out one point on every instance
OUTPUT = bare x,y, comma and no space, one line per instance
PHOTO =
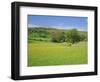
45,34
50,30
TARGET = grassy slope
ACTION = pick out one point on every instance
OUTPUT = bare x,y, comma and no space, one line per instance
44,54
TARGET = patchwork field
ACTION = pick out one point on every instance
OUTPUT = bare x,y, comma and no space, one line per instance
48,53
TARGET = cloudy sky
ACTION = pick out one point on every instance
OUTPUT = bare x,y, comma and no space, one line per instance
60,22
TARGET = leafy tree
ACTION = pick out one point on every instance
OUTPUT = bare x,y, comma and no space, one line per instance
58,37
83,37
73,36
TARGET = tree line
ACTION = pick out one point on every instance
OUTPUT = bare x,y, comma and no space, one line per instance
71,36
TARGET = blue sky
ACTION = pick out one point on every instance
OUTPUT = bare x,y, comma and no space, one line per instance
60,22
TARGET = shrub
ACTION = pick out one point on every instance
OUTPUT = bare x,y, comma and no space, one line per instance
69,44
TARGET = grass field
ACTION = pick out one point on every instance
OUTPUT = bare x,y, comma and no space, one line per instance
48,53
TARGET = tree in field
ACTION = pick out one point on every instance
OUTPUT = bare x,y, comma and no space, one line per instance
58,37
73,36
83,37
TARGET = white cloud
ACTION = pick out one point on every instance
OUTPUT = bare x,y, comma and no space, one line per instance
56,27
32,25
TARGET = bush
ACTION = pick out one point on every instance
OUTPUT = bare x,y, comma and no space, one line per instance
69,44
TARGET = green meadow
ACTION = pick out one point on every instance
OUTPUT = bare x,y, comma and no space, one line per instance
46,54
42,51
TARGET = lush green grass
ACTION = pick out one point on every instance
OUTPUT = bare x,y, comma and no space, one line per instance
48,53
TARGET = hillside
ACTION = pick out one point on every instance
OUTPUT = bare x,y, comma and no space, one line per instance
46,34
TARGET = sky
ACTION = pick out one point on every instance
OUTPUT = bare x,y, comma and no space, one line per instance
58,22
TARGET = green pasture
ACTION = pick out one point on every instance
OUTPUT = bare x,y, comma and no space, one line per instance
49,53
